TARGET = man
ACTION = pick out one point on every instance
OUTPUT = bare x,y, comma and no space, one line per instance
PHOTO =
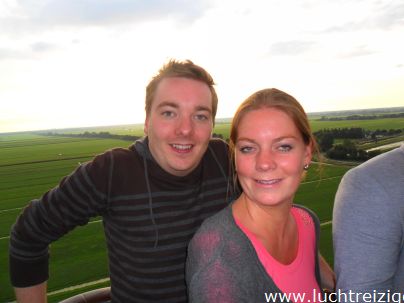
368,230
152,197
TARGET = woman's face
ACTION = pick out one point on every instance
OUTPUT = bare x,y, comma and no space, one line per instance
270,155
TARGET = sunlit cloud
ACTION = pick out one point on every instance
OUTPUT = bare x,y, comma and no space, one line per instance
290,48
87,62
35,15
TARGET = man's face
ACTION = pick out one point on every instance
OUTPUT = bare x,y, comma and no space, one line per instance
180,123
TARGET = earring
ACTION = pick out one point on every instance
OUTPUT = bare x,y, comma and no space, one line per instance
306,167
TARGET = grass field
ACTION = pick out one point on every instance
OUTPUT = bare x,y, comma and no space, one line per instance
31,164
389,123
224,127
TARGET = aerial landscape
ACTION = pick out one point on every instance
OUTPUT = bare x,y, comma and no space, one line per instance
73,78
32,162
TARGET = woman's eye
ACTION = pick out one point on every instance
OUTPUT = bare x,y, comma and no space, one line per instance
285,148
246,149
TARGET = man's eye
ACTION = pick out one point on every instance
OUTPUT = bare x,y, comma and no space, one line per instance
167,114
201,117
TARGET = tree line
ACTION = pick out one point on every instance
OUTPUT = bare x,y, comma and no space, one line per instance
361,117
87,134
105,135
347,150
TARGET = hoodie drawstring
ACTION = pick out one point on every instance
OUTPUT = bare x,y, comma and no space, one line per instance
156,230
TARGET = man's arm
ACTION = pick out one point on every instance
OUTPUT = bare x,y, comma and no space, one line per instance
32,294
366,234
78,197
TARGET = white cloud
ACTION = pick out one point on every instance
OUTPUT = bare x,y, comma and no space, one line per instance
87,62
33,15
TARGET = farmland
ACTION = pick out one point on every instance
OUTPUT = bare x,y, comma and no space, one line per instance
389,123
30,164
28,167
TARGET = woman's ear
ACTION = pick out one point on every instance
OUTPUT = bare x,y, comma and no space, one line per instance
308,154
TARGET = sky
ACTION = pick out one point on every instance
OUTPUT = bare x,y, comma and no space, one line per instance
77,63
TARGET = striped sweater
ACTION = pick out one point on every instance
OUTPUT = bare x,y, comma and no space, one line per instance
149,216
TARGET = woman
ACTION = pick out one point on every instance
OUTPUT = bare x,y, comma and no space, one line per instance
262,246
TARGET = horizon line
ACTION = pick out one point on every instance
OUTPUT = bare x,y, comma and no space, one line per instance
368,110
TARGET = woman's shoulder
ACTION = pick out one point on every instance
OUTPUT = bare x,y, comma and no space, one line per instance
218,221
209,240
307,215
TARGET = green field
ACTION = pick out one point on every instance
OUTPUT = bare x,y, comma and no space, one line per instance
388,123
30,164
224,127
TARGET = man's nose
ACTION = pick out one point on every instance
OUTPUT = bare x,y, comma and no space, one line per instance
185,126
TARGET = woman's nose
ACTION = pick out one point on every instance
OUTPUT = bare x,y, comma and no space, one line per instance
265,161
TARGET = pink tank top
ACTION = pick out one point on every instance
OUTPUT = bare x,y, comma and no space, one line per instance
298,277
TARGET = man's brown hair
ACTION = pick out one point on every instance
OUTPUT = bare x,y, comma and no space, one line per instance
183,69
